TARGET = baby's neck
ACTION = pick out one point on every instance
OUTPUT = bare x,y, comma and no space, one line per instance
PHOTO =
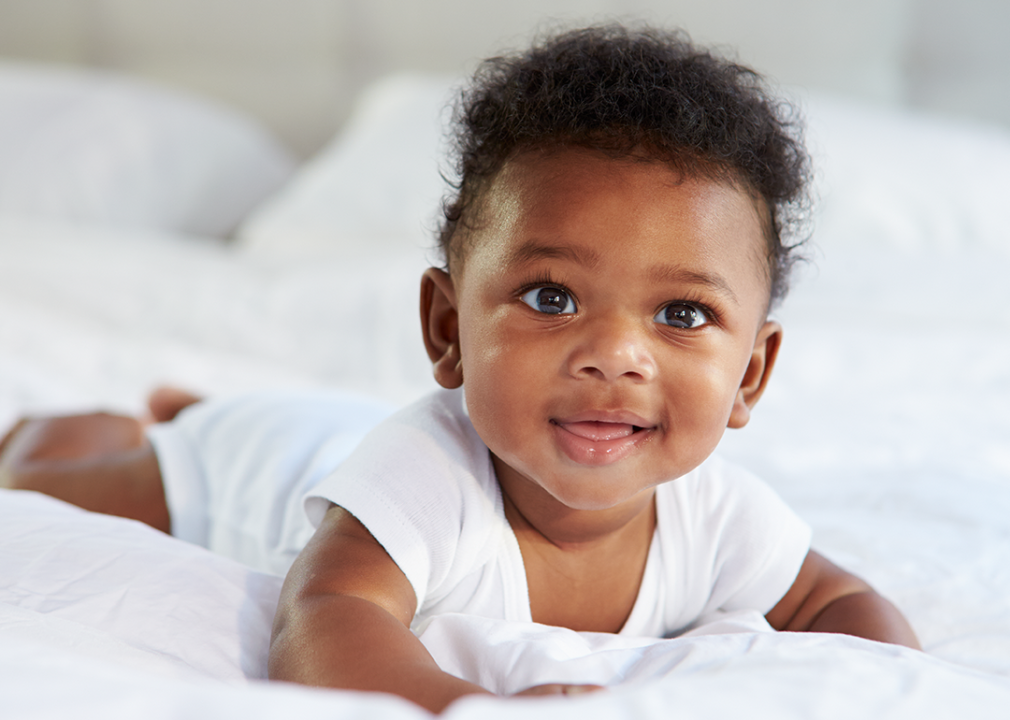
581,531
583,568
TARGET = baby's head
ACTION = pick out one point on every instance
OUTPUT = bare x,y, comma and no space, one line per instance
612,252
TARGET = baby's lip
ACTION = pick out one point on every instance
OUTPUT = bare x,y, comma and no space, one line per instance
596,439
597,431
603,426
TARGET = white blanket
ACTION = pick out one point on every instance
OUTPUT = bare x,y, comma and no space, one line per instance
114,620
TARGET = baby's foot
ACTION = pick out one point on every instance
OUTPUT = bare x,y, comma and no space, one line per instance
558,689
167,402
5,476
5,442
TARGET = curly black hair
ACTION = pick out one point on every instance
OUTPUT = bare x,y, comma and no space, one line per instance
624,91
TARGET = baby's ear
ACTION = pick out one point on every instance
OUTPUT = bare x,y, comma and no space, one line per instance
759,369
440,325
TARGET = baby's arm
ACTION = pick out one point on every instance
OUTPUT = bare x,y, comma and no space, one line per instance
344,621
825,598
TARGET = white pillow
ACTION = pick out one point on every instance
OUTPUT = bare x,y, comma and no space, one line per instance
375,187
98,148
884,177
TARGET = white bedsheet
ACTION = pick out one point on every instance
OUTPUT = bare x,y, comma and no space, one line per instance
112,619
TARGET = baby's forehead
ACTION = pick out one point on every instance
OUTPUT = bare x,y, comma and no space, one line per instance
586,203
560,186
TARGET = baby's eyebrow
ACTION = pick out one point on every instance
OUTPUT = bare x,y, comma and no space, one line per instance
534,250
679,275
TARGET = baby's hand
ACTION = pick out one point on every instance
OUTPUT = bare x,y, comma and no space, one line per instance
557,689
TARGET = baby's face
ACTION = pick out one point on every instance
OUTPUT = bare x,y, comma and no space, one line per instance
608,312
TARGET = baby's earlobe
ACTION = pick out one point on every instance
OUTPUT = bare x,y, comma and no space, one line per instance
439,321
440,327
448,369
759,369
740,414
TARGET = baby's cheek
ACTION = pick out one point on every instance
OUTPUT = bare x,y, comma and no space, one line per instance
492,399
485,344
705,403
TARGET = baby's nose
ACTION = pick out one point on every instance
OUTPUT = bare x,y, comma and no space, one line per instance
612,348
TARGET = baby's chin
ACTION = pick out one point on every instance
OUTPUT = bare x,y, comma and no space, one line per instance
598,492
603,502
575,487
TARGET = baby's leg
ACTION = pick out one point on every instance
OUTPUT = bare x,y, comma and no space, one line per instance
100,462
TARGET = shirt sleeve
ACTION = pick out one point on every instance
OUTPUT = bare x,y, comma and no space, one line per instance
728,542
760,543
421,484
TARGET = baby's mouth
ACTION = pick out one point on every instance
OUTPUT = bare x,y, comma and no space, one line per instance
599,442
599,431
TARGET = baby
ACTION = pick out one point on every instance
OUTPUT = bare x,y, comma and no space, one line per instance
611,257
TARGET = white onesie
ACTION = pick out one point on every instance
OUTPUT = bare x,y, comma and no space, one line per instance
236,469
423,484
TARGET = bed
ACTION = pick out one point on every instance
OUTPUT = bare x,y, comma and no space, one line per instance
150,237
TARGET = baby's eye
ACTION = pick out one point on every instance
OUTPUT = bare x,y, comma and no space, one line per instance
681,315
550,300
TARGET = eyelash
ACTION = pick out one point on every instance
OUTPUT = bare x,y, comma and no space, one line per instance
543,279
710,312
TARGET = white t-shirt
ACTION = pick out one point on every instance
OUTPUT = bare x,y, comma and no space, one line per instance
423,484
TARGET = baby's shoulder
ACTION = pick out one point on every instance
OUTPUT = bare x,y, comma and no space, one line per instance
715,497
424,462
433,435
715,478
